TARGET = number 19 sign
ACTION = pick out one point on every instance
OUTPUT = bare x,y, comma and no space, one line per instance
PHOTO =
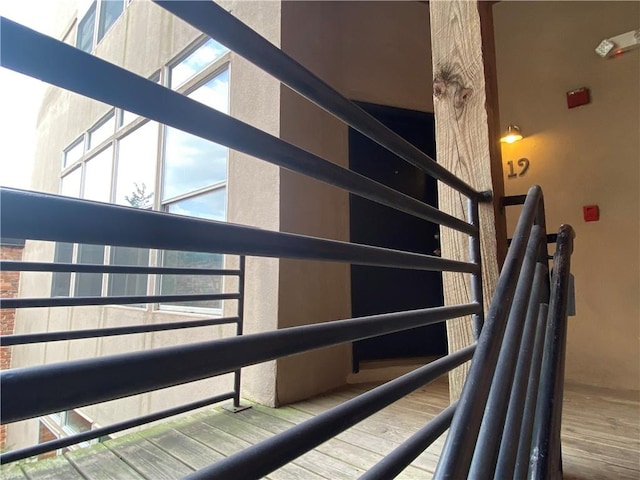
523,166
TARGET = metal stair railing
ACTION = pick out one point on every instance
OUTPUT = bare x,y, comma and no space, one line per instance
508,416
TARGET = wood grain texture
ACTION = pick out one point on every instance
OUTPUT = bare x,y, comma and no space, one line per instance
51,469
600,439
147,459
99,463
11,472
463,147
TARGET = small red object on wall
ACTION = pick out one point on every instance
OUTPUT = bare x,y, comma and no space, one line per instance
591,213
577,97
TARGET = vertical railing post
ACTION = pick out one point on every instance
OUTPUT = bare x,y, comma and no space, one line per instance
239,328
475,257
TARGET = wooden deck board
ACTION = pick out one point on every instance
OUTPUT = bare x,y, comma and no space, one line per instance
189,451
152,462
601,440
325,465
53,468
99,463
11,472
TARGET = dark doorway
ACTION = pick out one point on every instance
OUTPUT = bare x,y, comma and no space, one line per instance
382,290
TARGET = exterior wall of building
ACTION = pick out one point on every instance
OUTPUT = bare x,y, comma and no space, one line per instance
143,40
582,156
9,287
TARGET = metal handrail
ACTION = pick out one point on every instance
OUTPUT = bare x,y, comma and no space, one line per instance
518,359
507,423
27,51
216,22
41,216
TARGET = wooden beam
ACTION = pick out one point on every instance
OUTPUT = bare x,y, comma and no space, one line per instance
467,126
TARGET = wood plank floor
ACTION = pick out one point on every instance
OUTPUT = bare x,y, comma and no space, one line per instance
601,440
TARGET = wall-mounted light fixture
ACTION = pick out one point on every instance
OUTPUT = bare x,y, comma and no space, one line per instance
512,134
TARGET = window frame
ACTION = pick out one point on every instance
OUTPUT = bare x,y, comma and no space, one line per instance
110,116
121,131
93,6
96,23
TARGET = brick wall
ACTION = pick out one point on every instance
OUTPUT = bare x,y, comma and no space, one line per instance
9,283
46,435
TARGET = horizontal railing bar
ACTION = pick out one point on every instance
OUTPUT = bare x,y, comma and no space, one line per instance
41,216
461,441
219,24
119,300
108,430
62,386
511,200
259,460
29,52
22,339
395,462
15,266
551,238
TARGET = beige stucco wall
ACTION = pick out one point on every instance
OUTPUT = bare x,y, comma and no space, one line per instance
583,156
377,52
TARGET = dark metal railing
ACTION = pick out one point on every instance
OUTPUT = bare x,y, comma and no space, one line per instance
506,417
12,206
505,426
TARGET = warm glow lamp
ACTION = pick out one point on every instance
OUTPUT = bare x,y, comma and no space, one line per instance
512,134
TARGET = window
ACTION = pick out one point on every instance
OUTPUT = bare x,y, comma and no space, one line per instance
128,117
67,423
136,167
89,284
191,284
195,175
103,131
73,422
96,22
125,283
192,163
109,12
73,153
61,282
70,185
210,205
86,29
135,185
97,176
119,160
195,62
97,186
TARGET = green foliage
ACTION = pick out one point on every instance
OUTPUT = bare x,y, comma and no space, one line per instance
140,198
